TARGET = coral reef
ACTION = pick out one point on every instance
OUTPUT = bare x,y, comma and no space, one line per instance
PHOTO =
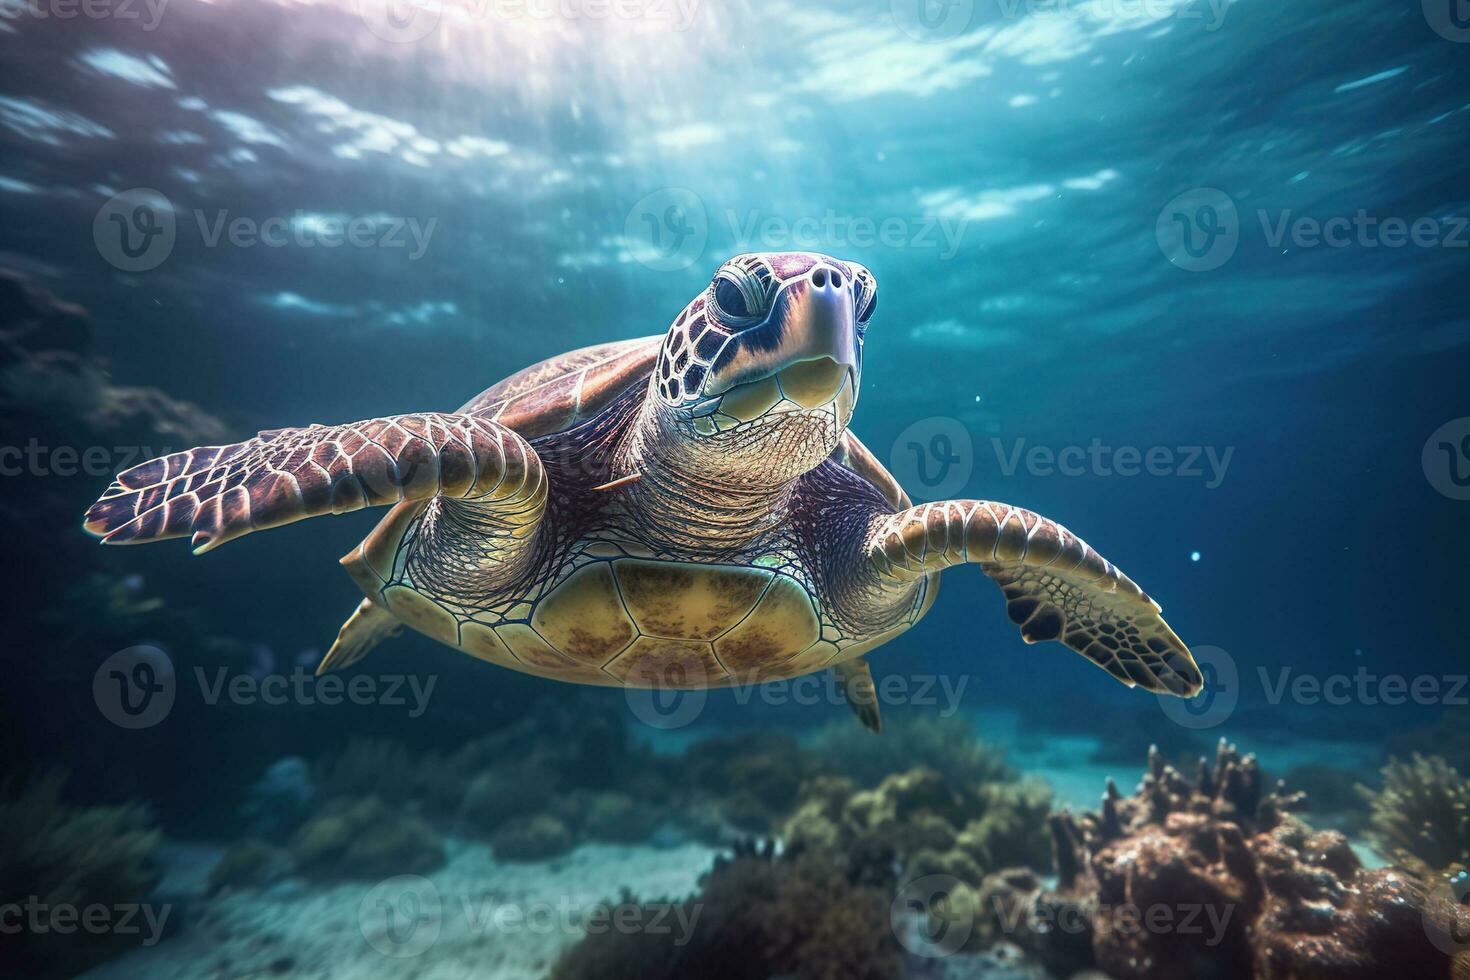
365,838
280,801
1448,737
1212,876
532,839
374,767
756,916
563,773
1422,815
928,823
619,819
55,397
66,860
1332,798
946,745
249,864
753,780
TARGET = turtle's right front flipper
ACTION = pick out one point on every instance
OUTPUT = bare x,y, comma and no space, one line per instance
1056,587
217,493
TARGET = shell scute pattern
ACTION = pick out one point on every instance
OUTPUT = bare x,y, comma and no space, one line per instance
641,622
783,625
557,394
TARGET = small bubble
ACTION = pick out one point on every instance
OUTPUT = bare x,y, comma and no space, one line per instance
1194,556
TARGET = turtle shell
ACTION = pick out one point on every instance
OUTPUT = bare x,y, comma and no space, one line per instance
562,391
647,623
551,396
622,618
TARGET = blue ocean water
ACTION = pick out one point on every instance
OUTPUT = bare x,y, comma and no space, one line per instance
1188,276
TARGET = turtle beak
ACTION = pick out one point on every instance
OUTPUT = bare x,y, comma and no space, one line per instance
806,351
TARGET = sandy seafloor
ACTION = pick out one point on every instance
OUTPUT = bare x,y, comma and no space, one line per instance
510,920
494,920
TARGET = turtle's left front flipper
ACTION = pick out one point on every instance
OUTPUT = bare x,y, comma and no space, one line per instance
1056,587
217,493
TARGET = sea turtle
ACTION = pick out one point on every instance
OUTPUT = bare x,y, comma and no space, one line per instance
686,510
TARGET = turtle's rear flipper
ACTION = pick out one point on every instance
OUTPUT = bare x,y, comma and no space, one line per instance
369,625
1056,587
217,493
855,679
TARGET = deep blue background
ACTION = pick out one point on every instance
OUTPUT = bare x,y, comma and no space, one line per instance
1057,138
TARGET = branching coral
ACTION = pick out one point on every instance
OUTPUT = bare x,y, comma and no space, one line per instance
533,839
752,780
66,859
1422,815
249,864
757,916
365,838
1213,876
946,745
930,825
370,767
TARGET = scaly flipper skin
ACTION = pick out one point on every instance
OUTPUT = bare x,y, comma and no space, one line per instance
1056,587
217,493
369,625
856,680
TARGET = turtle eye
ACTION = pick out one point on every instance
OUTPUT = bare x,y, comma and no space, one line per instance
866,301
867,304
730,299
741,295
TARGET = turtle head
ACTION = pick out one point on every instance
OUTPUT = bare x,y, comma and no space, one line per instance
760,372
